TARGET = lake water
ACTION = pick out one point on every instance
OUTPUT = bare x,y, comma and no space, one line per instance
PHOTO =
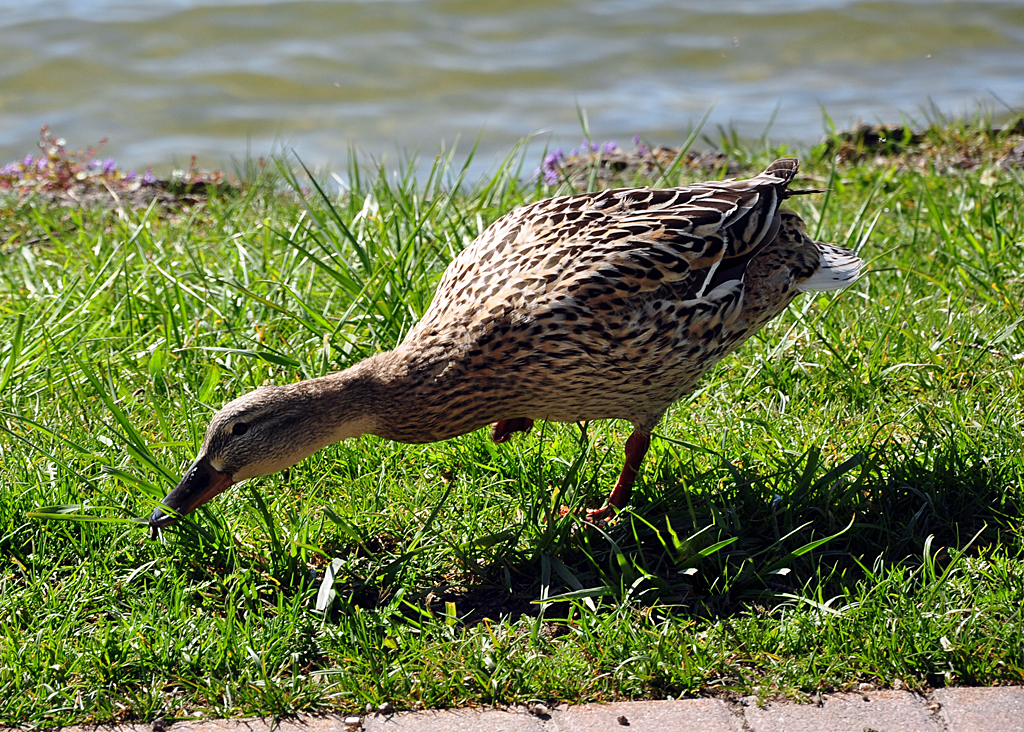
163,79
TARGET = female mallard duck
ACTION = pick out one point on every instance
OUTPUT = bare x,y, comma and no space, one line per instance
606,305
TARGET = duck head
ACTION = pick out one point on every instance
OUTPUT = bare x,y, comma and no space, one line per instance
266,431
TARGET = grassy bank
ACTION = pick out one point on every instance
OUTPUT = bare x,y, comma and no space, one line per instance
840,502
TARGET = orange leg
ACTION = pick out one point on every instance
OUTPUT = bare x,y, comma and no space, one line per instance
503,429
636,449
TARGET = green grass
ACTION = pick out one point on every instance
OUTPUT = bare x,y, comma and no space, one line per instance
840,501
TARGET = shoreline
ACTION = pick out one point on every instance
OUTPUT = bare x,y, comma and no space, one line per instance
80,179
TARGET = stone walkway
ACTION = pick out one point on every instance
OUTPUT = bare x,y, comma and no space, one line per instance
944,710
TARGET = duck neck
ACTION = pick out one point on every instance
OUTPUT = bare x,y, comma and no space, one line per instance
414,393
348,401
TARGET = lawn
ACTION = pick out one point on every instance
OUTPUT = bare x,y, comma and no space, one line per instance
840,502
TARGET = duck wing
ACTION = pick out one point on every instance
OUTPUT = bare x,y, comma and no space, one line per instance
610,250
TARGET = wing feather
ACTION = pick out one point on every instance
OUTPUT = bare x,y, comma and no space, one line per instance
607,250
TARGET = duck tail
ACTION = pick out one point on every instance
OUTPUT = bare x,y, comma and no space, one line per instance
837,268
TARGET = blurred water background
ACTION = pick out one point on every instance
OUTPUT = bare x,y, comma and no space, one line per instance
164,79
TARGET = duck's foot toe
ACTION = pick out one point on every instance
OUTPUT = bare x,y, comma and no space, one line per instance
596,516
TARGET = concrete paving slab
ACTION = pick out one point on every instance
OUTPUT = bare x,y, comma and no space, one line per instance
977,709
248,724
706,715
964,709
873,711
456,720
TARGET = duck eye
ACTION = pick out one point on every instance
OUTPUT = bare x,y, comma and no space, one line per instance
239,428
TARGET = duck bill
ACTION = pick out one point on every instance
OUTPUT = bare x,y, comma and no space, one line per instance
201,483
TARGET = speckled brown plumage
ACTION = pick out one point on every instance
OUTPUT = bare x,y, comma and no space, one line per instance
606,305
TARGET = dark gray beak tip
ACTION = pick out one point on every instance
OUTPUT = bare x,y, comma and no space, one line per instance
159,519
201,483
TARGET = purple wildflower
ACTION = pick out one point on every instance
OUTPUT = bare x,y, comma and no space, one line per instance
636,139
552,163
148,178
27,162
41,164
574,153
610,147
130,175
109,167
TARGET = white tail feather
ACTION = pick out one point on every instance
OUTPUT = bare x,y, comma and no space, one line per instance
838,268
